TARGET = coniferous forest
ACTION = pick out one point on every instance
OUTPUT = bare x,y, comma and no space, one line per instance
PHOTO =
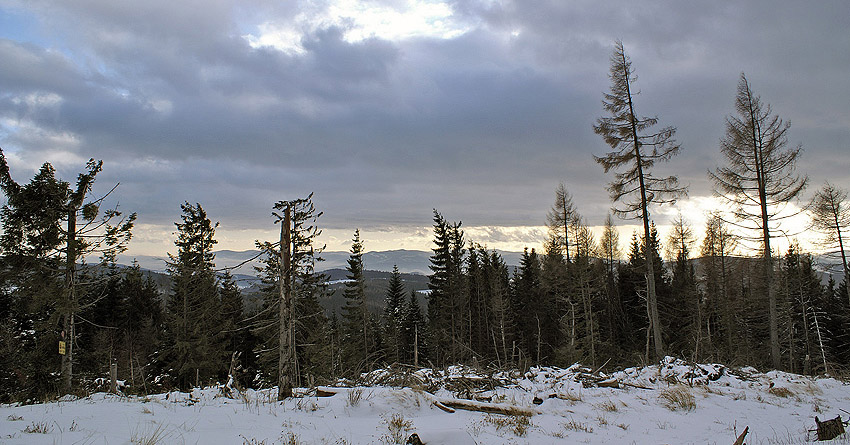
68,311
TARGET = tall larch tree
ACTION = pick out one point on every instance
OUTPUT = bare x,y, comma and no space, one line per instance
830,215
687,308
718,245
560,219
636,149
758,182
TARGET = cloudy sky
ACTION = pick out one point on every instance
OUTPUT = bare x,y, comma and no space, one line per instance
387,109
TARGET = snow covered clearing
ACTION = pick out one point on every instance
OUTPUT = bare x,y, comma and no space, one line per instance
673,402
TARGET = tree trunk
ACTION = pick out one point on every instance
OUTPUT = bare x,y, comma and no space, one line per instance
284,367
68,306
843,258
651,300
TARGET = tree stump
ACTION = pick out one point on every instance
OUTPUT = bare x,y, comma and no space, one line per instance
829,429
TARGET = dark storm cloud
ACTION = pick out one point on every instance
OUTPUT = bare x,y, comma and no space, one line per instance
481,126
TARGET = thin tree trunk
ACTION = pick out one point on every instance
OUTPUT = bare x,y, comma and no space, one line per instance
651,301
284,367
68,318
843,257
820,343
768,261
539,338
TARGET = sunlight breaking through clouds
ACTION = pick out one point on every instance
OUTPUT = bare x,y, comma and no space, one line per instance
361,21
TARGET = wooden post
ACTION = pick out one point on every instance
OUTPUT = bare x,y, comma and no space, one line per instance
113,377
416,345
284,367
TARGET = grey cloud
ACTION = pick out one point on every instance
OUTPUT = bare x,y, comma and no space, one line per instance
482,126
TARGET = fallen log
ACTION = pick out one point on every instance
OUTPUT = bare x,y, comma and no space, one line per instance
635,386
329,391
492,408
610,383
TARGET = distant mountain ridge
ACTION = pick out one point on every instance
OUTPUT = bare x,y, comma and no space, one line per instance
408,261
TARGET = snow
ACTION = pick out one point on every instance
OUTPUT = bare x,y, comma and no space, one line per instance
777,407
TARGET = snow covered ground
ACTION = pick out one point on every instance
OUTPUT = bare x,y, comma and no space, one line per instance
672,403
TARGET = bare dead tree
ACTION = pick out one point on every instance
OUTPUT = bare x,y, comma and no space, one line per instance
636,149
561,217
759,181
830,213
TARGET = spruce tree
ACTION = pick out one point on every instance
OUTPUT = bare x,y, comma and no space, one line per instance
415,333
308,353
142,326
586,274
358,341
394,316
528,307
447,299
503,325
50,228
802,314
194,311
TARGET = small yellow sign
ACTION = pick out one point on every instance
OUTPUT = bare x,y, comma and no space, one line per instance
61,347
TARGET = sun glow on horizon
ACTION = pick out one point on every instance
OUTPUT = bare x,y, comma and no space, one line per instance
157,240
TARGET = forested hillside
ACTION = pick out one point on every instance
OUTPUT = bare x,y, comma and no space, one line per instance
719,293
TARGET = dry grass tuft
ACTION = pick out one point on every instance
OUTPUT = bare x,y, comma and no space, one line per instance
572,425
149,437
781,392
572,396
38,428
355,395
678,398
518,425
290,439
608,406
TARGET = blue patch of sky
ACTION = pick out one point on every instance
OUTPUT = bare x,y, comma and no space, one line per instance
20,26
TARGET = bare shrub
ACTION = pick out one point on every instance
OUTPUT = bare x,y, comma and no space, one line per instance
397,429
